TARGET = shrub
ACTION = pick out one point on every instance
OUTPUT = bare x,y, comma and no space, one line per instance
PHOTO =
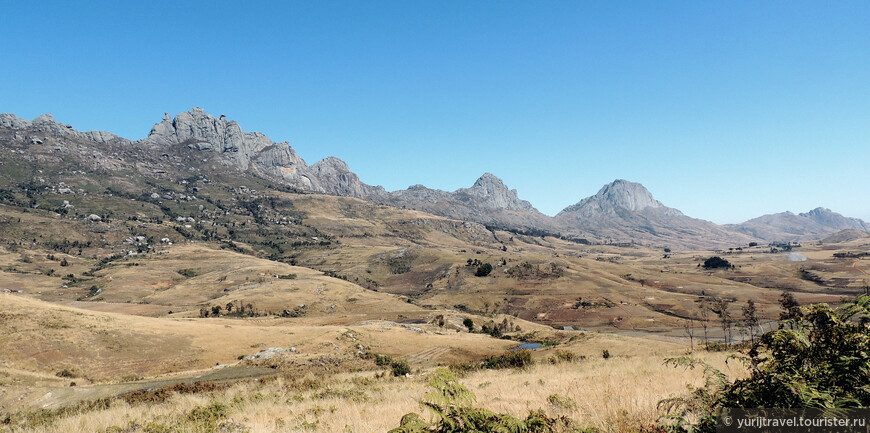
515,359
483,270
400,368
561,402
716,262
563,356
189,273
452,408
66,373
605,354
468,323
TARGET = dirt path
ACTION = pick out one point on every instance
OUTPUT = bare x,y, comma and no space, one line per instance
55,397
855,266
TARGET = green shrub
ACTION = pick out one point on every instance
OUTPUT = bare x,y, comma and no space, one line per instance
189,273
400,368
560,356
716,262
66,373
483,270
452,408
822,360
515,359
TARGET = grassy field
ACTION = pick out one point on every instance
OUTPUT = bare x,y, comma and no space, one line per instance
303,290
619,393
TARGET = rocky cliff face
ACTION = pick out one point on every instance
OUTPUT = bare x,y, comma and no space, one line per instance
336,178
255,152
489,201
614,198
490,192
205,132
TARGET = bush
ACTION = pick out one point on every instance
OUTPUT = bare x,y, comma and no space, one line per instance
516,359
483,270
563,356
66,373
189,273
452,408
468,323
716,262
400,368
605,354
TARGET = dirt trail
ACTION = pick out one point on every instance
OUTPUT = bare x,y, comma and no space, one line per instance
855,266
55,397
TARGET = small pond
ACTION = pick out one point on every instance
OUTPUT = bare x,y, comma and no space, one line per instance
526,345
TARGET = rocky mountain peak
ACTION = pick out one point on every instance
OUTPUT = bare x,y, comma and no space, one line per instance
45,118
818,212
627,195
834,220
335,177
490,192
201,130
331,164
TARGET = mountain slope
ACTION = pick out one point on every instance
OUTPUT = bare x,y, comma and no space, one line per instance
624,211
786,226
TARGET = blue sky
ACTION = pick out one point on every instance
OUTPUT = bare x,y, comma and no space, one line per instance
724,110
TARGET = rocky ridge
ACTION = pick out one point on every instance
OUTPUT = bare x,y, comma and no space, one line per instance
489,201
621,211
787,226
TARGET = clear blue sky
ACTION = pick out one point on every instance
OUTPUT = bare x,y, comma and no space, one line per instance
724,110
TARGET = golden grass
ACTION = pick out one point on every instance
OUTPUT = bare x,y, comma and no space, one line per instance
615,395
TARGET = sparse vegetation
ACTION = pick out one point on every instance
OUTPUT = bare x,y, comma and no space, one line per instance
452,408
819,361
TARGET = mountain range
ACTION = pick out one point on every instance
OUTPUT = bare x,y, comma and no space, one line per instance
620,212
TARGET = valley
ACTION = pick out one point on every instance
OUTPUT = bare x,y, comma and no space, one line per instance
220,260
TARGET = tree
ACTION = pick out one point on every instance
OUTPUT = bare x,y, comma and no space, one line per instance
750,318
716,262
704,315
483,270
791,310
229,307
216,310
203,312
820,363
439,320
689,329
468,324
720,307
